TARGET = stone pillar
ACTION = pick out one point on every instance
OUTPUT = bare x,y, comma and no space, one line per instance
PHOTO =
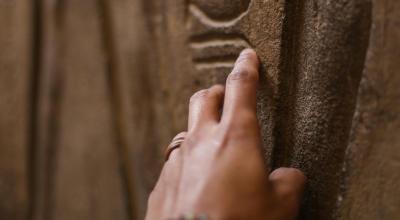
313,56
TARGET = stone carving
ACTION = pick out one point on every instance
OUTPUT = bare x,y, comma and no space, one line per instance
215,38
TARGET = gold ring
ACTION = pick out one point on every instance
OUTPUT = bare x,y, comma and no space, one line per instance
175,144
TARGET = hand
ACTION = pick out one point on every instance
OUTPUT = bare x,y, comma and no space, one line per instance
219,168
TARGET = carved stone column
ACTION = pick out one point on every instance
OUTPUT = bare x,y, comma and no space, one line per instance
313,55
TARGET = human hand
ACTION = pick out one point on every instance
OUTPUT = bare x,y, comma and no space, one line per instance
219,169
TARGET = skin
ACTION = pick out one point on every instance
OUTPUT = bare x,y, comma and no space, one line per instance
219,169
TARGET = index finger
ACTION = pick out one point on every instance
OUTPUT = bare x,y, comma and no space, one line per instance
241,85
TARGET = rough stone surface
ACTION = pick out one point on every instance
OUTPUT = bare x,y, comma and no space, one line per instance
87,109
325,48
196,47
312,55
15,76
371,174
87,148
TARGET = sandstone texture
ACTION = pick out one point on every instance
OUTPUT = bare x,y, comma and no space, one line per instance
92,91
315,76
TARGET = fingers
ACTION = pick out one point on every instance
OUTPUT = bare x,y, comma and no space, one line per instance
205,106
241,86
174,145
288,185
168,182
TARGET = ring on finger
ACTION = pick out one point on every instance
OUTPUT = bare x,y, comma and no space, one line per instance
175,144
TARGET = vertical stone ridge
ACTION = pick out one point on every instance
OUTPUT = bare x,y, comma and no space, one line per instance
119,120
285,112
33,102
370,174
324,46
47,110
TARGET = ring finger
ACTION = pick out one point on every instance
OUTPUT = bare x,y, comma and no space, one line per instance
205,107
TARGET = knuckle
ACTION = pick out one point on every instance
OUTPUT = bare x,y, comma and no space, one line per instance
199,95
243,74
217,88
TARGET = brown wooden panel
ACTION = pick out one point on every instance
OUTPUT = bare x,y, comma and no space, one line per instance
373,159
87,175
15,38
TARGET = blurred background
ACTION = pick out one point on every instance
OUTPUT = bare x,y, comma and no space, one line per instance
92,90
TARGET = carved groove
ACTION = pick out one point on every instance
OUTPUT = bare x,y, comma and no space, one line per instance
222,10
215,65
217,51
222,43
213,36
205,19
216,48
